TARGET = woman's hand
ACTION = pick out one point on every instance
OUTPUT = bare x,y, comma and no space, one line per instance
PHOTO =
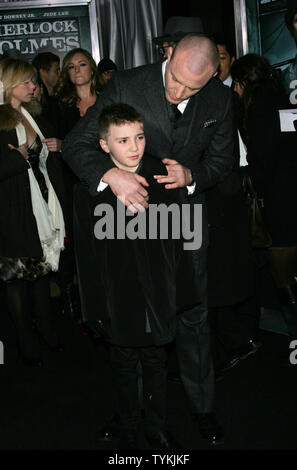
53,144
22,149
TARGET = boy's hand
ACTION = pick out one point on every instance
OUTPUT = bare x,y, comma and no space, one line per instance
129,188
178,175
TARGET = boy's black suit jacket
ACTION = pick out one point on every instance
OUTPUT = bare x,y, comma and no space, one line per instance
129,278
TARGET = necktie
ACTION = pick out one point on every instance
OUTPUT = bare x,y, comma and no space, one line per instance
174,112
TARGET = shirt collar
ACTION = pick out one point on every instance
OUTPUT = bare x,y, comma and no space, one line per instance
228,81
182,105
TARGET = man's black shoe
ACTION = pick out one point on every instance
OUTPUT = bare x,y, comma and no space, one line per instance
210,428
229,363
162,441
250,348
240,354
111,430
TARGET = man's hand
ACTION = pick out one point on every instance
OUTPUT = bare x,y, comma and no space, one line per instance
53,144
178,175
129,188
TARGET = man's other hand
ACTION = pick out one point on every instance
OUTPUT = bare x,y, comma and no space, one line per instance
178,175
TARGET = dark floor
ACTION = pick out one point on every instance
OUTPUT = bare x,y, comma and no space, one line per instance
63,405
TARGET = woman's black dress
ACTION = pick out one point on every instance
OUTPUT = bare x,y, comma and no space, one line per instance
27,268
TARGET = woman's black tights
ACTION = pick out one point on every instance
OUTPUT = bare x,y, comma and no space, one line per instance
27,300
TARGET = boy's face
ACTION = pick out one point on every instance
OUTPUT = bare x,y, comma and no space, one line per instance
125,144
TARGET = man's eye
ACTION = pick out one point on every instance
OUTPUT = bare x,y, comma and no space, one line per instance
71,67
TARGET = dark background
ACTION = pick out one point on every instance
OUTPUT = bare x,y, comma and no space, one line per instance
216,15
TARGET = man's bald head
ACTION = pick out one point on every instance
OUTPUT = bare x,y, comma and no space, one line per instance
198,52
193,62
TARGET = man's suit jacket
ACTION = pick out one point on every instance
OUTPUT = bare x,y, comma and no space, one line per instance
201,141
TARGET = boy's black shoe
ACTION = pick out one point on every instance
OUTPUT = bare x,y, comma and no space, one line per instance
210,429
128,439
111,430
162,441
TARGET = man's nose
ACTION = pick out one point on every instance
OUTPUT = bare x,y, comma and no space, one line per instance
179,91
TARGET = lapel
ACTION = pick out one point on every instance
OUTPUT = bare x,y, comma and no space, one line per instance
154,96
190,124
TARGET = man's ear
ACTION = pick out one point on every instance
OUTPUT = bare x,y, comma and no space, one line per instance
232,59
169,52
216,73
104,145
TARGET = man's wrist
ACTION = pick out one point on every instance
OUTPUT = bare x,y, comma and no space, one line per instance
108,175
191,178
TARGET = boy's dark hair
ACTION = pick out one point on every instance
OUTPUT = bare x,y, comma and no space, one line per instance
44,60
117,114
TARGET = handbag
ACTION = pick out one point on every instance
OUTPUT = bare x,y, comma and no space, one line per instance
260,234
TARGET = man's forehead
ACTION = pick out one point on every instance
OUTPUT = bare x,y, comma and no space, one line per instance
188,78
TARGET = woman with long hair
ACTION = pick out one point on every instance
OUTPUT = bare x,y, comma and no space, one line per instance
272,166
77,90
78,87
31,216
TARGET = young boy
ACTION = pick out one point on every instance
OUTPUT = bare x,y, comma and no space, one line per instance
138,277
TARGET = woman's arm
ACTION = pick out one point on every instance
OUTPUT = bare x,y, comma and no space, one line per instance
12,159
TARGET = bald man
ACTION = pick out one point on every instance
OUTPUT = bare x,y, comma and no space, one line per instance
187,115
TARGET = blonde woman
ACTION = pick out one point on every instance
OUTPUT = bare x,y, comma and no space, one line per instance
31,216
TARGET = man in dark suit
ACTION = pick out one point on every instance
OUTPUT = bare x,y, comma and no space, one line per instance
197,149
233,311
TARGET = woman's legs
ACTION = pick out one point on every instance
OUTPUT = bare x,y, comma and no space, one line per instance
40,293
20,307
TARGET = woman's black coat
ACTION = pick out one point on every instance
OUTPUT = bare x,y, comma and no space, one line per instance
272,165
18,228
